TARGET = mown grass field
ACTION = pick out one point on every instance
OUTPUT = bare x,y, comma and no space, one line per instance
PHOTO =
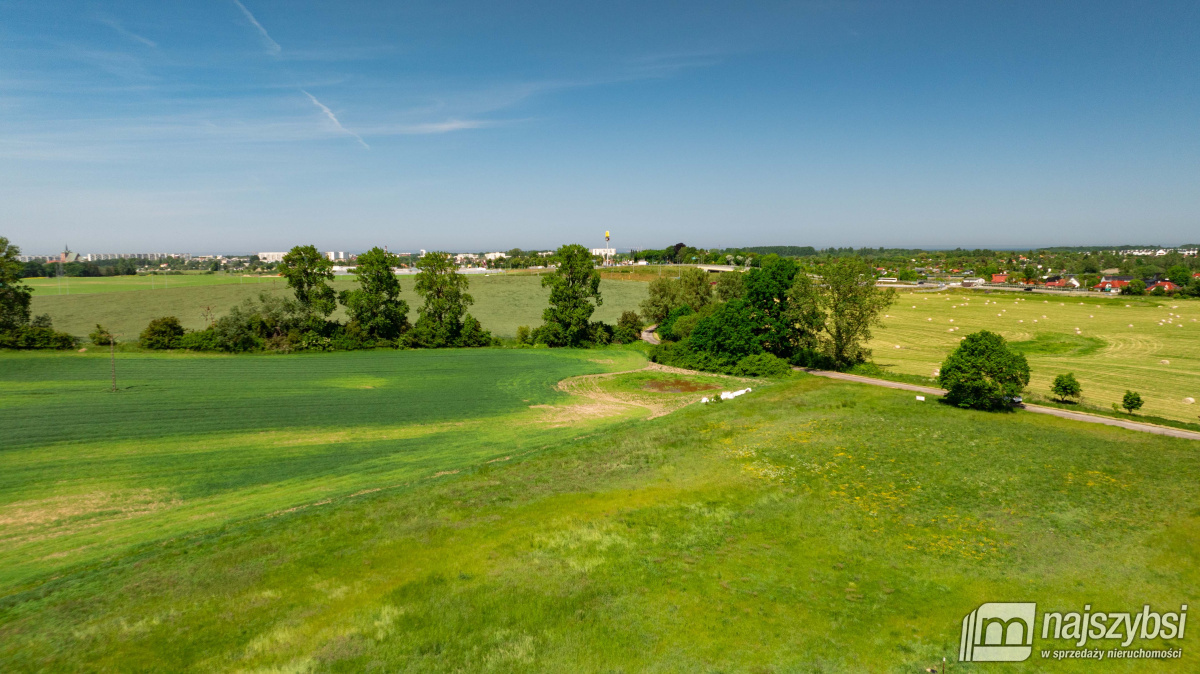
45,287
809,526
502,302
1121,344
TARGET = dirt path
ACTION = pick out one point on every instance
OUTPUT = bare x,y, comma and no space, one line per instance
649,336
1036,409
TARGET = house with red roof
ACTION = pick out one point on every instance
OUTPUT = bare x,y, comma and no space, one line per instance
1110,286
999,278
1167,286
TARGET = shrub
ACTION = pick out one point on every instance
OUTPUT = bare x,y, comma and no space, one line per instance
101,336
680,354
36,338
1132,402
666,328
41,321
162,333
983,373
600,333
762,365
1066,386
629,328
524,335
473,333
200,340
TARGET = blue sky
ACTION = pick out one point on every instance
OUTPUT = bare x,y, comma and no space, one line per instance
230,126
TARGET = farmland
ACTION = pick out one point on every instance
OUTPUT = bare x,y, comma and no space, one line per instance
1147,344
125,305
418,511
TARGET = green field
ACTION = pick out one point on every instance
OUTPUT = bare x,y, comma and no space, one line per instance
125,305
1121,344
54,287
455,511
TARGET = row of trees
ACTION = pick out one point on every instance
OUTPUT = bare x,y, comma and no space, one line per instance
377,316
774,315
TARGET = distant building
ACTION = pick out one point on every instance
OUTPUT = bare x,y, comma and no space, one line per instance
270,257
1165,285
495,256
971,282
1110,285
999,278
604,252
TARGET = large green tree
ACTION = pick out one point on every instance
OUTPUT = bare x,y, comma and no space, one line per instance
308,274
849,305
14,295
984,373
442,319
574,295
375,306
765,289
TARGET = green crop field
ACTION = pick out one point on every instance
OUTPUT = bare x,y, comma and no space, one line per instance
191,442
455,511
125,305
1146,344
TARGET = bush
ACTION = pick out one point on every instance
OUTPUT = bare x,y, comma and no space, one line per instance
1132,402
162,333
473,334
101,336
236,334
983,373
600,333
628,330
1066,386
666,328
762,365
36,338
524,335
200,340
680,354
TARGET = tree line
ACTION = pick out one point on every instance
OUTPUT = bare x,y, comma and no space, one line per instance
378,317
768,318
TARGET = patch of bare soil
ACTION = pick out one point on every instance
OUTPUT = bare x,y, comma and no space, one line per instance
602,403
678,386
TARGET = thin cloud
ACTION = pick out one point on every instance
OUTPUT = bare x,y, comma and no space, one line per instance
128,33
272,46
333,118
431,128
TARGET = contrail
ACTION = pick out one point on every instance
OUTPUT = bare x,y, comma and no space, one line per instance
272,46
333,118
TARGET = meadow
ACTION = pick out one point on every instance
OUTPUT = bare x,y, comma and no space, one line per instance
1111,344
592,526
125,305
